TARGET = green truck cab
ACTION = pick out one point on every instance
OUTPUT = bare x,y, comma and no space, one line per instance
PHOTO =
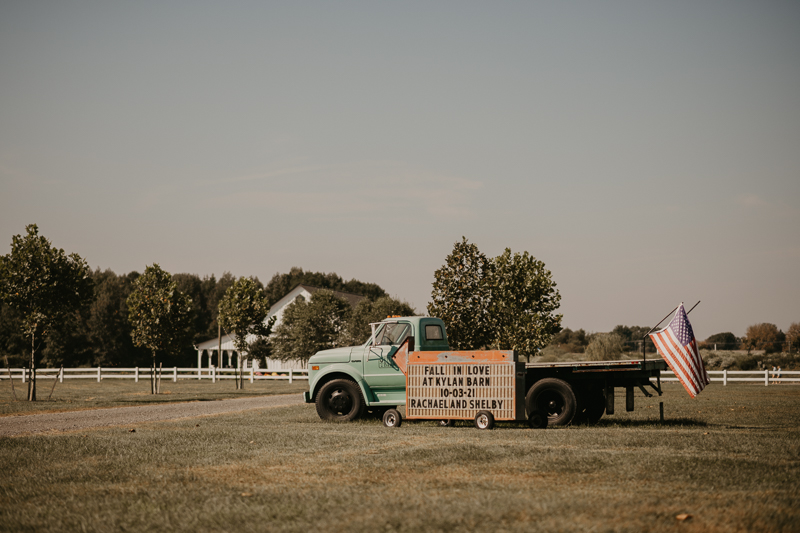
347,382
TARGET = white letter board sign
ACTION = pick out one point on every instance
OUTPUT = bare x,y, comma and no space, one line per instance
458,390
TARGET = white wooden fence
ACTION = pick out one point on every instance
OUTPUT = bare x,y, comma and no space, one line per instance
767,377
137,373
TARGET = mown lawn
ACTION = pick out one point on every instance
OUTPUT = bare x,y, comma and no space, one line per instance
74,395
730,459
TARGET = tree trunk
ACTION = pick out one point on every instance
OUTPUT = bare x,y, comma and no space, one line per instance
32,381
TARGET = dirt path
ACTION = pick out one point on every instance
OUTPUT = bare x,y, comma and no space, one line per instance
128,416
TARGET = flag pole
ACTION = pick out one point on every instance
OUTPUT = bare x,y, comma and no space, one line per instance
695,305
644,339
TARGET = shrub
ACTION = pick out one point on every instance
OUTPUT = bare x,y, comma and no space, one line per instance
722,341
604,347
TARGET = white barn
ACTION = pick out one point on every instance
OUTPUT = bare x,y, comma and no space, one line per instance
212,349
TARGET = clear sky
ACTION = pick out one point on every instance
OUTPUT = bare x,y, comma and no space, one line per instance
647,152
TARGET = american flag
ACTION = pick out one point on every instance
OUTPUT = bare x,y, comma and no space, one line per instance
678,347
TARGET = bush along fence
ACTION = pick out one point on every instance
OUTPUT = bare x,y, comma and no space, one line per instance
137,373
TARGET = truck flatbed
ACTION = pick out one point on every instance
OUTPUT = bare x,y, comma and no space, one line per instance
598,366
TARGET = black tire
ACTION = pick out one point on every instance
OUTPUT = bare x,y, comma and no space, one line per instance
484,420
392,418
596,408
537,420
582,395
447,423
553,397
591,406
340,400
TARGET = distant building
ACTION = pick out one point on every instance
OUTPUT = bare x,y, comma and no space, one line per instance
207,351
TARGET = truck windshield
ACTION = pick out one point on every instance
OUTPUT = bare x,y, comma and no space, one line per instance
393,334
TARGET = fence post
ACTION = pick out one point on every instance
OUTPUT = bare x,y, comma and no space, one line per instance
61,375
136,375
174,374
766,378
725,377
24,372
99,376
290,375
213,374
252,373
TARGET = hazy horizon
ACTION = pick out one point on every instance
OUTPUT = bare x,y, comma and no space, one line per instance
647,152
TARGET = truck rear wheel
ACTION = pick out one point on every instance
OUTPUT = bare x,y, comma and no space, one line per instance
554,398
340,400
591,406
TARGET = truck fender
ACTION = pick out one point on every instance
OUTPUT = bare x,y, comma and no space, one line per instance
340,371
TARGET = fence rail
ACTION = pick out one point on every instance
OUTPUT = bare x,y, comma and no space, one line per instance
137,373
766,377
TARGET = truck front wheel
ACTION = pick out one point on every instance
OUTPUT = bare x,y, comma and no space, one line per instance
340,400
554,398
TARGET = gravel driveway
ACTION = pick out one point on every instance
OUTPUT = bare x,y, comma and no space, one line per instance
129,416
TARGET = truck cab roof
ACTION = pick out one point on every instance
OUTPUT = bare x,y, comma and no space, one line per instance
428,332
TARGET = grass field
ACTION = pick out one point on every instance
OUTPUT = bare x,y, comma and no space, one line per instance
730,459
74,395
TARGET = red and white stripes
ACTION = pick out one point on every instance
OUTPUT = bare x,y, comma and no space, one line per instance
684,360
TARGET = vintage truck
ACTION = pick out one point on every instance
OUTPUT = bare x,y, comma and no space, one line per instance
348,383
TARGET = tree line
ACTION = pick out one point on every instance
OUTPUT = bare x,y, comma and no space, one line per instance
55,310
622,339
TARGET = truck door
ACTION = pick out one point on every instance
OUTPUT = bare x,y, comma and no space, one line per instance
380,371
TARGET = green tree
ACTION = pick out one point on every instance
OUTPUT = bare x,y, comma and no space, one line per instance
215,290
160,316
793,336
604,347
523,304
310,326
764,336
108,325
67,342
281,284
243,312
461,297
12,338
508,302
723,341
570,341
43,284
192,286
356,329
632,337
